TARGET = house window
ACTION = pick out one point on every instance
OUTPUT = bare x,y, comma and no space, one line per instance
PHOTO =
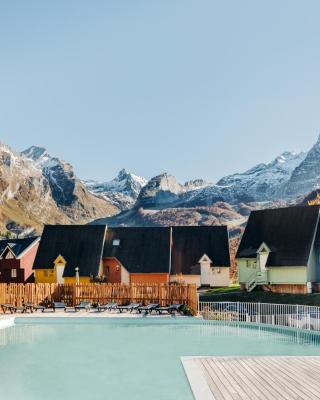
13,273
116,242
251,264
45,273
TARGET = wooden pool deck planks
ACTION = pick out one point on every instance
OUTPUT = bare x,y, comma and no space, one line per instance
254,378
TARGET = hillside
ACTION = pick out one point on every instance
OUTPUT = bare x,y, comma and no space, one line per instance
38,189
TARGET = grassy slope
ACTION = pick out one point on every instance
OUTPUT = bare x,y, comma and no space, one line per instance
234,294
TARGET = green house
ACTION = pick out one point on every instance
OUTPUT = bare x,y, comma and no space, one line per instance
280,250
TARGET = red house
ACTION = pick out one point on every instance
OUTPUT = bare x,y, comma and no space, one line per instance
16,259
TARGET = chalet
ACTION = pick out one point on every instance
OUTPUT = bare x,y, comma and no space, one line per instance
16,259
134,255
200,254
137,255
69,253
280,250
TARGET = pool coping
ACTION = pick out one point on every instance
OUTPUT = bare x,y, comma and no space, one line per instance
197,382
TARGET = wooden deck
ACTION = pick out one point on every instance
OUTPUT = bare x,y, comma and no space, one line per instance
253,378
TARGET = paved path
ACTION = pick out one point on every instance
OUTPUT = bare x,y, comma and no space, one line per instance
253,378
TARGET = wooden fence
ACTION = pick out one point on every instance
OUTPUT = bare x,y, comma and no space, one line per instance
45,293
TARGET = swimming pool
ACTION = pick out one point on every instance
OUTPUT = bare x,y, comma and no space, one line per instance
127,358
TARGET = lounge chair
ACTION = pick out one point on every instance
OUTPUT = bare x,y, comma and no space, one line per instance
148,309
107,307
169,309
39,307
130,307
11,308
58,305
83,305
29,307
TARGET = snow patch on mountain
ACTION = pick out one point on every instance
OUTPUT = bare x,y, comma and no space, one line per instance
122,191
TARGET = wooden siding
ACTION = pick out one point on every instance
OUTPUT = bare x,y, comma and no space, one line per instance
287,288
112,270
149,278
72,294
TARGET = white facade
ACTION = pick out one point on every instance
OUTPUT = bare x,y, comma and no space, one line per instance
213,276
125,276
210,275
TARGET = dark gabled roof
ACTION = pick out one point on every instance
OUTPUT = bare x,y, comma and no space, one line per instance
17,246
288,232
190,243
80,245
147,250
140,250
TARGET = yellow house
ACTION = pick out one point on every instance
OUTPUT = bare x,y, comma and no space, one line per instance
69,254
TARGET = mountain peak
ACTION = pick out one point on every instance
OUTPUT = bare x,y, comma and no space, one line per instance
122,191
123,173
35,152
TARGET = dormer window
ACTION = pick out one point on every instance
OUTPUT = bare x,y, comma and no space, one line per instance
262,256
263,250
7,253
116,242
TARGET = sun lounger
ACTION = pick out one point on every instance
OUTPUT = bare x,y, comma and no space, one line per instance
38,307
29,307
148,309
130,307
11,308
169,309
107,307
83,305
58,305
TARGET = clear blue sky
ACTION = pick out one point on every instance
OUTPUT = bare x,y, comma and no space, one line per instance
196,88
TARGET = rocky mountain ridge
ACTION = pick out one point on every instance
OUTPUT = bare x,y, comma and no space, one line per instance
38,189
122,191
283,181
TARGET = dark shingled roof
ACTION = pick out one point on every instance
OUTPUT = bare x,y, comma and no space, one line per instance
147,250
190,243
288,232
80,245
141,250
17,246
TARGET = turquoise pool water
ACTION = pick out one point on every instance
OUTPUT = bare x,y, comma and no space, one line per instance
124,359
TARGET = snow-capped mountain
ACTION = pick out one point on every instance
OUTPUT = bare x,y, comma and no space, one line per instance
37,189
59,174
306,176
263,182
67,191
122,191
